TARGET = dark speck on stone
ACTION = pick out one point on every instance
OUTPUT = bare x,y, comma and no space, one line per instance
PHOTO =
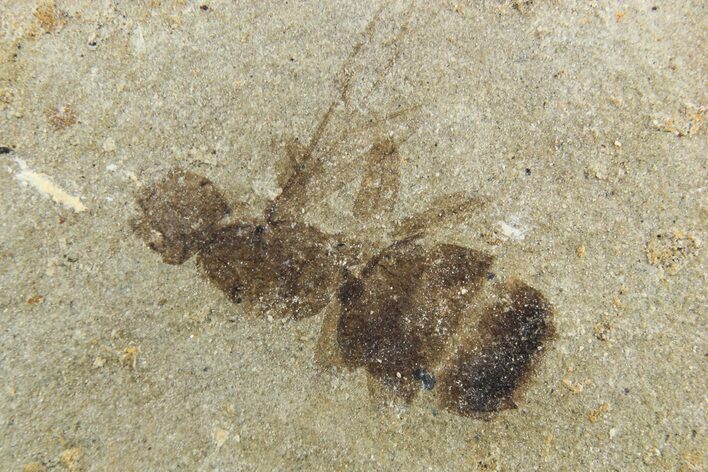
491,275
5,150
204,7
528,171
426,378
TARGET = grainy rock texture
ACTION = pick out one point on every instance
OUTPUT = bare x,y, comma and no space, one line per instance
578,123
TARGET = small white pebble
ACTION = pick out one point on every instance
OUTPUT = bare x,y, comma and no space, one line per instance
220,436
109,145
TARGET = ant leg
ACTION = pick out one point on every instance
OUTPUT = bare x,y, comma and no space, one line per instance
294,173
386,30
453,206
378,191
327,355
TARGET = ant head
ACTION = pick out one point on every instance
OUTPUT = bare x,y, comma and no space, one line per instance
179,212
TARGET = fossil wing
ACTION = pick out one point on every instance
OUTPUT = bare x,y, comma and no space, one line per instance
360,131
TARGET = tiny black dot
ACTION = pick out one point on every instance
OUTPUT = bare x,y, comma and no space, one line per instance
654,8
491,275
528,171
426,378
204,7
5,150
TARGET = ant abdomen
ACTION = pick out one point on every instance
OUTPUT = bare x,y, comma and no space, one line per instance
404,317
407,307
488,369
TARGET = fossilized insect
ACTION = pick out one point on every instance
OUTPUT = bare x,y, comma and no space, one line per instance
410,313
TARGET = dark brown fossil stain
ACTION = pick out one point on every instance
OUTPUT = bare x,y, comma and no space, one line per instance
410,313
488,369
179,214
280,268
287,269
398,316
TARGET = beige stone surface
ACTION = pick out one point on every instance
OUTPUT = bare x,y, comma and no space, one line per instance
581,122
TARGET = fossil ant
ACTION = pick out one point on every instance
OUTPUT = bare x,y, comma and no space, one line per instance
405,311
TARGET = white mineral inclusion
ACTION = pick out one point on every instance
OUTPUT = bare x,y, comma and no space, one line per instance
513,230
46,187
